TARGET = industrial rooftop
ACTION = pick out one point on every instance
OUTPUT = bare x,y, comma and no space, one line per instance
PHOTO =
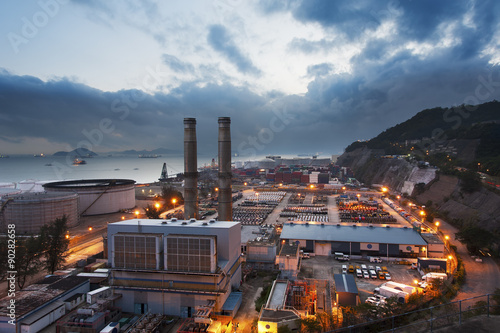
345,233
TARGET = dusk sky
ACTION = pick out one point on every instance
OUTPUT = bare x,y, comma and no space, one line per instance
294,76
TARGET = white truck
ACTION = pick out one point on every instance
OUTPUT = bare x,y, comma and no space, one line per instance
375,259
400,286
342,257
388,292
431,276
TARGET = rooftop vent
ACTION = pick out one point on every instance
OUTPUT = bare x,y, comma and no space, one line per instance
387,226
173,219
338,224
354,226
322,223
291,222
307,223
212,221
184,223
370,226
163,222
192,220
204,223
405,227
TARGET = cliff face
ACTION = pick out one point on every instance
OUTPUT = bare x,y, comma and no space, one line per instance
445,193
399,174
481,207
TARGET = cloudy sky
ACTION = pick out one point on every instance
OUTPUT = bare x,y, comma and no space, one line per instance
304,76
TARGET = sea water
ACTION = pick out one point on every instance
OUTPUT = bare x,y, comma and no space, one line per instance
57,168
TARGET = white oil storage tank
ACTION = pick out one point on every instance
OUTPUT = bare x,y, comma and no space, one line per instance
98,196
30,211
5,191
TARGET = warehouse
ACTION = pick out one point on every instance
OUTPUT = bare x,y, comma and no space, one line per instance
98,196
175,267
323,239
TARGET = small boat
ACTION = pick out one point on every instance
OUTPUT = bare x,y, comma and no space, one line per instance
48,164
78,161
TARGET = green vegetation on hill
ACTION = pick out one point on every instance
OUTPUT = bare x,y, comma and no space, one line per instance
438,126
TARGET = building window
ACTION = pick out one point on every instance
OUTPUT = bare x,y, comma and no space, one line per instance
135,252
190,254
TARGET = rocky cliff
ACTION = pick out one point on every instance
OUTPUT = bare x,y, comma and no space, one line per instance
443,192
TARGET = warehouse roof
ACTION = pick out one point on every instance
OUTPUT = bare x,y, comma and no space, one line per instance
345,283
346,233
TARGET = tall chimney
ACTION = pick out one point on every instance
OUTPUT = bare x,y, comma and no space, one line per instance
190,170
225,193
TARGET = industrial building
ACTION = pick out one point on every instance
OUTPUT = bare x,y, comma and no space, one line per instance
98,196
346,291
288,260
30,211
41,303
324,239
274,314
187,268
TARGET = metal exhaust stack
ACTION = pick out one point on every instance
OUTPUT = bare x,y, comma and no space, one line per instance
225,193
190,170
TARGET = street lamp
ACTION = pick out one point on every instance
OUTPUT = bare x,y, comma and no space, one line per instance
174,200
422,213
136,213
90,228
425,250
437,225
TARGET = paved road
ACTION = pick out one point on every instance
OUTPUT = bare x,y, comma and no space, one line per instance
481,278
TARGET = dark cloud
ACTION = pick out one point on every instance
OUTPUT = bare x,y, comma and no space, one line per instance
176,64
319,70
221,41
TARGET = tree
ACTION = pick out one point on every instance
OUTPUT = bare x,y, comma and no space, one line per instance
28,258
474,237
152,211
310,325
168,193
55,244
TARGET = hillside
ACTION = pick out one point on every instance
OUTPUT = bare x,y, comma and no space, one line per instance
467,135
438,157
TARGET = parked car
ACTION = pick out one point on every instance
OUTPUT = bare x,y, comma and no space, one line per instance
388,276
366,275
359,273
373,274
377,268
381,275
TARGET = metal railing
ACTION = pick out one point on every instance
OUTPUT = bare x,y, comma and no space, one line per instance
429,319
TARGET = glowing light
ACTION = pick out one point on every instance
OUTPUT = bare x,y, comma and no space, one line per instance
311,186
67,236
90,228
437,223
123,217
415,281
216,189
157,205
245,183
174,200
446,237
422,213
385,189
136,213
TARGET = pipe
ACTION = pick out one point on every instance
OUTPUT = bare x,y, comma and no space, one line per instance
225,193
190,170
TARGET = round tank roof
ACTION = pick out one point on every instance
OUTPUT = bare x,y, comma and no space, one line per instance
89,183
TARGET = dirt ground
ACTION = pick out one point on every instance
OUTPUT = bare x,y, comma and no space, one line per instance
251,291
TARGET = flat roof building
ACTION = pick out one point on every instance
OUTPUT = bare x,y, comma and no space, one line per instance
174,266
326,239
346,290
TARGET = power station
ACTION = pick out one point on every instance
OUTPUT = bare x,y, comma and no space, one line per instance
191,170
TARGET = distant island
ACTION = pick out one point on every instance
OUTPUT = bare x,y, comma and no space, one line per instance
79,152
144,152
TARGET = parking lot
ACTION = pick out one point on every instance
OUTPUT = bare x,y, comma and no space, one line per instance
323,267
